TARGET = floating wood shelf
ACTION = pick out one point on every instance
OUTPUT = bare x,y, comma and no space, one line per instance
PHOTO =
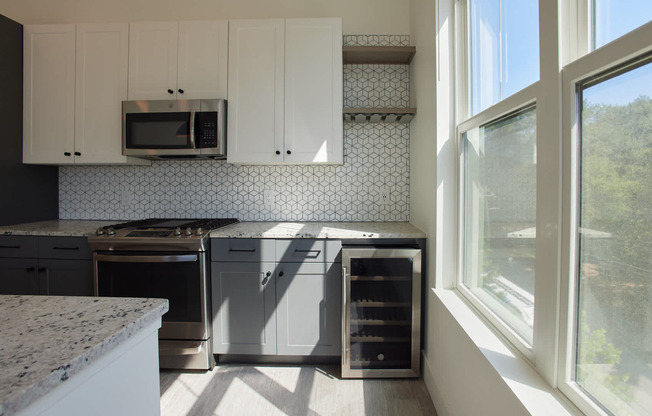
378,115
392,55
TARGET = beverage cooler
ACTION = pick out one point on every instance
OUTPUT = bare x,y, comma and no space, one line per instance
381,312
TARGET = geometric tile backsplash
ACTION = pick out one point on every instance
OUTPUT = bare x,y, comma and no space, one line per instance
376,157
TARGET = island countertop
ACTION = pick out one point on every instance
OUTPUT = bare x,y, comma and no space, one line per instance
48,339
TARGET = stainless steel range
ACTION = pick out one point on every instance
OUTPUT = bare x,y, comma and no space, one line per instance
163,258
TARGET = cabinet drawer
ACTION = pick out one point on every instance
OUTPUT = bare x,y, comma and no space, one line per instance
64,248
18,246
242,249
314,251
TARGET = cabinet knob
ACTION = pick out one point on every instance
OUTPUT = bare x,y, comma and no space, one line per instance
41,269
30,269
67,154
180,91
77,153
170,92
268,274
280,274
288,152
278,152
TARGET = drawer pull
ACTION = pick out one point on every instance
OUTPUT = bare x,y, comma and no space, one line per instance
14,247
317,252
30,269
234,250
65,248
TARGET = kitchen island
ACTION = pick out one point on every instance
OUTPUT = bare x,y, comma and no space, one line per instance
79,355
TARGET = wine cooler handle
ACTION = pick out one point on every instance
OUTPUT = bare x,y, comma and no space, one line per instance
346,324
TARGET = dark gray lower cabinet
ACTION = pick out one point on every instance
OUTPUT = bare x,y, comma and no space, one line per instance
33,265
262,305
19,277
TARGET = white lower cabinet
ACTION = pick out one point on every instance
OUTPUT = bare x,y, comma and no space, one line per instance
75,77
276,297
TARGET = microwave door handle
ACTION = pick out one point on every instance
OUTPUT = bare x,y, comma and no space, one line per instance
183,258
192,130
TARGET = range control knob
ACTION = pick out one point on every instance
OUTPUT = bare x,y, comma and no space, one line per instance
110,231
199,231
188,231
100,231
381,356
177,231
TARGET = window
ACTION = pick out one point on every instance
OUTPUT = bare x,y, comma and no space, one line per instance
499,194
554,189
613,18
614,266
498,144
504,49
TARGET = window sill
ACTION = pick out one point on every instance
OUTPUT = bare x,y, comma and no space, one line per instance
527,386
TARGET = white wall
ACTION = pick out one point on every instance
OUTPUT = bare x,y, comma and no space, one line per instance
359,16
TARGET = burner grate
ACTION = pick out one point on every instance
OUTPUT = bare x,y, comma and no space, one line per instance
205,223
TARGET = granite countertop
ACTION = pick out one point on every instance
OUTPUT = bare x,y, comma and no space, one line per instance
60,228
48,339
334,230
247,229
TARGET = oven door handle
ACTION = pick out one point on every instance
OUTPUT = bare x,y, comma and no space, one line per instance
181,258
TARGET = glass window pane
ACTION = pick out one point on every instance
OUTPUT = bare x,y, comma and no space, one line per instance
614,321
504,49
499,194
614,18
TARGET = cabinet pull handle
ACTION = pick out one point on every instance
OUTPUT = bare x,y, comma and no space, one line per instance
10,247
65,248
170,92
180,91
42,269
77,153
288,152
67,154
266,278
278,152
235,250
30,269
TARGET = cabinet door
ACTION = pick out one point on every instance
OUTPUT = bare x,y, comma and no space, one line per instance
255,91
243,302
66,277
19,277
153,60
49,94
309,308
203,53
313,91
102,64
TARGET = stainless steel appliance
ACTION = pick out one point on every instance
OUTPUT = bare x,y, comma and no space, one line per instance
381,312
174,129
163,258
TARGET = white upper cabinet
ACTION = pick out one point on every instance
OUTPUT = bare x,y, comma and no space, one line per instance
101,86
49,94
285,91
256,84
75,78
178,60
313,90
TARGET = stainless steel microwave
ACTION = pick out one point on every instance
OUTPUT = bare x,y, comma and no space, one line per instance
174,129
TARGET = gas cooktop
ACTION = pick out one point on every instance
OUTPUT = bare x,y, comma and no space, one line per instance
152,231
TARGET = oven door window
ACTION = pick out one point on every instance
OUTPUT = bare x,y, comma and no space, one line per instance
172,277
158,130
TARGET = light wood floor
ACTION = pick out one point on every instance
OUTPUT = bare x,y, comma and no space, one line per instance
288,390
